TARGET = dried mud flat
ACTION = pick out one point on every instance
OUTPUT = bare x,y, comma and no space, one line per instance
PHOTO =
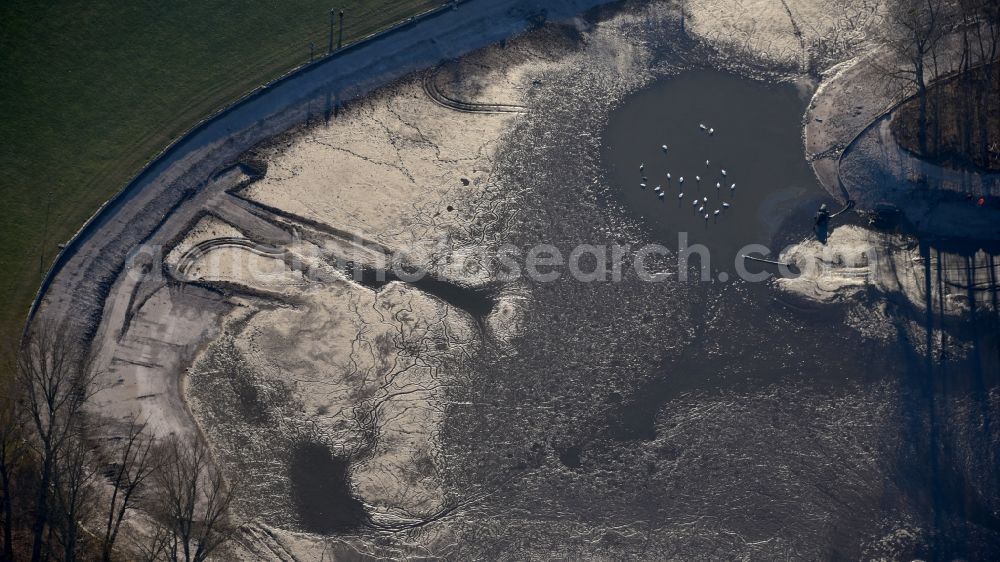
473,417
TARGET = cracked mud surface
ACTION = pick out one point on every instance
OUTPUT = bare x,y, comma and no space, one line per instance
478,417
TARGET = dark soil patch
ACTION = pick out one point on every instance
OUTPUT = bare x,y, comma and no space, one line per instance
570,457
963,121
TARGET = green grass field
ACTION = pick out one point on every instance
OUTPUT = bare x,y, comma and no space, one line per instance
91,90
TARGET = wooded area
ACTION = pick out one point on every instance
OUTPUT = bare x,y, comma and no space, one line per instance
71,481
957,119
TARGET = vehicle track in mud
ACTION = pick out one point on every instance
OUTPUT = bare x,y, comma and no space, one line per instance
435,94
478,302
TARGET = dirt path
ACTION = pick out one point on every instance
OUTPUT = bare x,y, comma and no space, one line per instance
855,156
433,91
77,284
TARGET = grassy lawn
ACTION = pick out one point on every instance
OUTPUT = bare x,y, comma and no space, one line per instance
91,90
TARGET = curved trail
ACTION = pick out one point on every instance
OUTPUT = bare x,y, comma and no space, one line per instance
856,158
77,284
199,250
442,99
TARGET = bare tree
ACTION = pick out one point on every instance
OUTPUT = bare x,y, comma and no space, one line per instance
982,44
12,454
130,467
194,501
73,483
913,30
54,377
151,547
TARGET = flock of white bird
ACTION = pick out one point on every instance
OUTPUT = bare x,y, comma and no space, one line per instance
698,203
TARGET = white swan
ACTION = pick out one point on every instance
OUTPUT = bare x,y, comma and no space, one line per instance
716,212
723,172
701,209
732,187
680,195
668,176
706,163
711,131
717,185
664,147
681,180
697,179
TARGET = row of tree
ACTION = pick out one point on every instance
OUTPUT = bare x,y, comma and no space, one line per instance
925,36
73,485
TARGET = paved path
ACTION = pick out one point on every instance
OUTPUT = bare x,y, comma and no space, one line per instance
78,283
854,155
144,327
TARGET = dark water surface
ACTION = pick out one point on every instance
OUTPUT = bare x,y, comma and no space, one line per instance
757,141
321,491
746,334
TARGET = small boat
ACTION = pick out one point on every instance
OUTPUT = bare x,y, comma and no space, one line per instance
723,172
725,205
732,187
664,147
716,212
680,195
